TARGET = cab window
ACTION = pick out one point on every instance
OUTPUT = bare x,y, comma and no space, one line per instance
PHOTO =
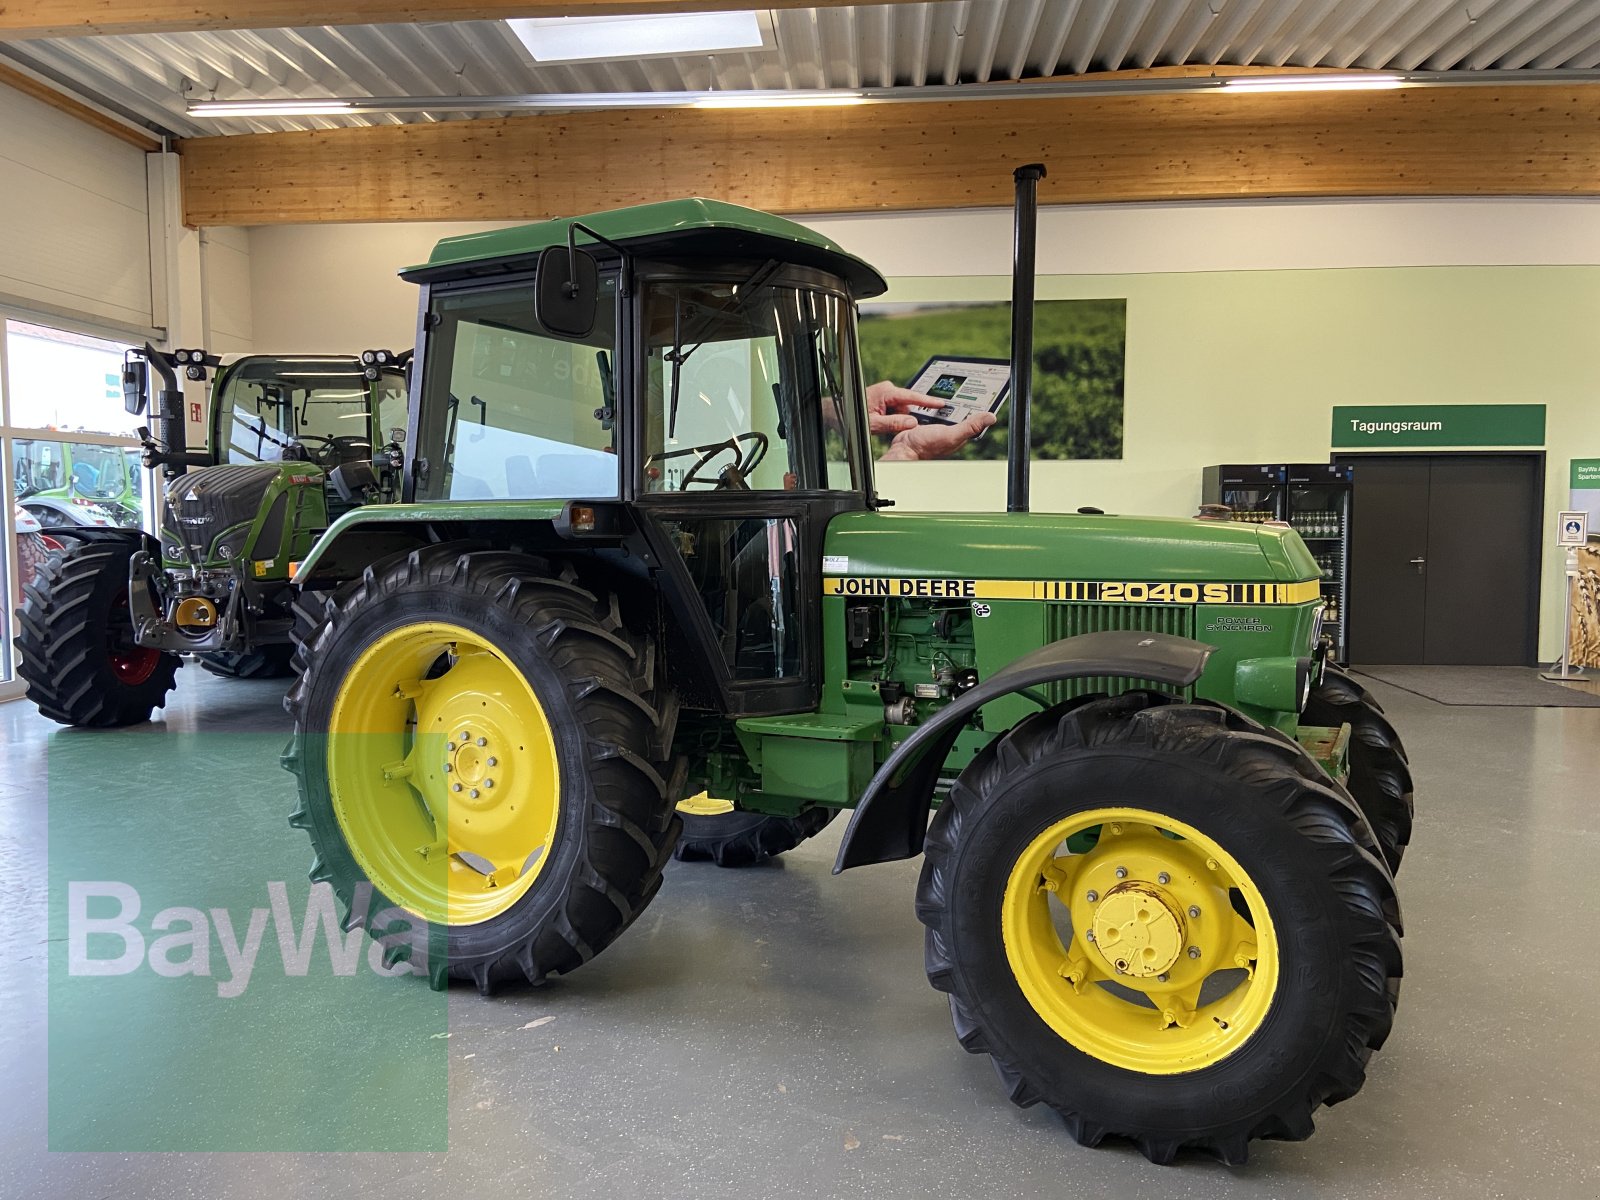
748,387
511,411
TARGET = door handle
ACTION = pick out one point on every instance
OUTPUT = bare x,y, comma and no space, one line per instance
1418,563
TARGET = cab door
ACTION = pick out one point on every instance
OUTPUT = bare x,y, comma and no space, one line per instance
752,431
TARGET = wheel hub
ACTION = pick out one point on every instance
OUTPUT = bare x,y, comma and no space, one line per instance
1138,930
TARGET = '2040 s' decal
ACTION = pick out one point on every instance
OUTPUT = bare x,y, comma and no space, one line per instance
1090,591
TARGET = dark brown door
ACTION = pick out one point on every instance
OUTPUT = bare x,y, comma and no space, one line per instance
1388,561
1444,558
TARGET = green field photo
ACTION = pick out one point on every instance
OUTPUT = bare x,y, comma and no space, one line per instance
1079,353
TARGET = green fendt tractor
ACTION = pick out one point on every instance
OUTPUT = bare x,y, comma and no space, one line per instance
292,441
640,558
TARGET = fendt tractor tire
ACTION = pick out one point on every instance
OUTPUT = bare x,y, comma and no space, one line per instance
1227,846
75,640
743,839
1380,774
590,746
264,662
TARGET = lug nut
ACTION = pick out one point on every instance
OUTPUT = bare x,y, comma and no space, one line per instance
1088,936
483,741
1122,872
493,762
465,735
455,787
1092,897
488,783
1162,978
1194,951
1163,878
1194,910
473,793
448,768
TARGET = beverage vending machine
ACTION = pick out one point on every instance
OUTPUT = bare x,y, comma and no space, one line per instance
1315,499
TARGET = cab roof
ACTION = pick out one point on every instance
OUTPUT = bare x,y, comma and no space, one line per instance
693,228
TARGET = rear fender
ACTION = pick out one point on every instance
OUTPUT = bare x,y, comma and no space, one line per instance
892,818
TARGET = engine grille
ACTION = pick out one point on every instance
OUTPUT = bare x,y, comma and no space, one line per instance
1069,620
201,504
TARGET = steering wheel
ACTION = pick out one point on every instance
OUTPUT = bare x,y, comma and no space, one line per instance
744,461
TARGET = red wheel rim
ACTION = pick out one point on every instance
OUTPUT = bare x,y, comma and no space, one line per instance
131,665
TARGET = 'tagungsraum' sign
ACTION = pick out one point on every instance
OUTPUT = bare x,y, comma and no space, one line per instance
1396,426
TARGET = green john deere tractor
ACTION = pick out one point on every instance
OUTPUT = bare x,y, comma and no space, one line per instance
640,559
292,439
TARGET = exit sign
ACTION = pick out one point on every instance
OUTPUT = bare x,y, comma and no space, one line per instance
1396,426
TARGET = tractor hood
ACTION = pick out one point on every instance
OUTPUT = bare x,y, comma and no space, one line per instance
1063,546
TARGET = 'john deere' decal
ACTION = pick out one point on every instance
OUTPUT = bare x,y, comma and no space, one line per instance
1088,591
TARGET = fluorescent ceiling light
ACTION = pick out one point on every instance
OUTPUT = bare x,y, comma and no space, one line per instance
1314,83
270,108
667,35
820,100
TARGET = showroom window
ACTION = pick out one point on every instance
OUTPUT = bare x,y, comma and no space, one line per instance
70,454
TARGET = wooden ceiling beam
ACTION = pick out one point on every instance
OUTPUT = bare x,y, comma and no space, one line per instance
73,18
1469,141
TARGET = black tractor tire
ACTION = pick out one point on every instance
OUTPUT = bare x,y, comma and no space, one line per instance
1380,774
611,720
743,839
264,662
1302,843
75,640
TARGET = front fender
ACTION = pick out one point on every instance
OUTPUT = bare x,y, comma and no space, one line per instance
891,820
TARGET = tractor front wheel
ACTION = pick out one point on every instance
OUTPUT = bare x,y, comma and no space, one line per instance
1380,776
1162,922
478,743
264,662
743,839
75,641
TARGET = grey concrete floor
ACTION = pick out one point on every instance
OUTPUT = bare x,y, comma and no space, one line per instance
770,1032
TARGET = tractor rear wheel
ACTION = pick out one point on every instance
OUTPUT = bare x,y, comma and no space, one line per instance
478,742
743,839
1164,923
264,662
1380,775
75,641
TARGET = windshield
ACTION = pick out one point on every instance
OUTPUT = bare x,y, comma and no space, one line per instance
267,404
99,472
751,384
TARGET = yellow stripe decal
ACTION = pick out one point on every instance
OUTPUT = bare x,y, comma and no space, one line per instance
1092,591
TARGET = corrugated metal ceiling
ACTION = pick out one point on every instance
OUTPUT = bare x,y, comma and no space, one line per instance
903,45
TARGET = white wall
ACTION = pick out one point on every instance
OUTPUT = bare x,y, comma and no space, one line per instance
74,217
1247,323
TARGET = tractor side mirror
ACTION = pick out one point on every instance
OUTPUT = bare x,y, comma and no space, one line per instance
135,384
566,291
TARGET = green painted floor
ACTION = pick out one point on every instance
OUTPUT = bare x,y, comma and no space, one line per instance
758,1033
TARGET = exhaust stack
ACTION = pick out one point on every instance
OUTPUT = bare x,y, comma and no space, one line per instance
1020,448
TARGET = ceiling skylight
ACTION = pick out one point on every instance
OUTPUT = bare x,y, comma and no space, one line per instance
668,35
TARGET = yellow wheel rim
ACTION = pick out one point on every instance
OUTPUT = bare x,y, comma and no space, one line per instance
442,772
1120,927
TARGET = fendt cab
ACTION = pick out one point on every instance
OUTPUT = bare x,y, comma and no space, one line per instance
102,624
641,559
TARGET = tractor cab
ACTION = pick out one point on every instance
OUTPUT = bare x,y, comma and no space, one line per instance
322,410
699,386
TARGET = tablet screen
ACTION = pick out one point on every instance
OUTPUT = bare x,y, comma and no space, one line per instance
966,385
